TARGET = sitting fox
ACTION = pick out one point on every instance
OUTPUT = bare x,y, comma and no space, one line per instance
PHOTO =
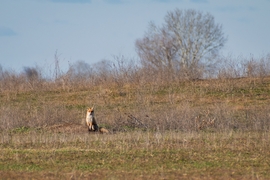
91,122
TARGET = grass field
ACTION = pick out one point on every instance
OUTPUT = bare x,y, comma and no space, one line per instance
135,155
205,129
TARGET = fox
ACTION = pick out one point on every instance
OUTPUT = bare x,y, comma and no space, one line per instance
92,123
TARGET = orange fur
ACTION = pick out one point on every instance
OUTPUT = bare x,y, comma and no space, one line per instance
91,122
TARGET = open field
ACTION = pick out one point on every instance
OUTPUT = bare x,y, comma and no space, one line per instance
135,155
202,129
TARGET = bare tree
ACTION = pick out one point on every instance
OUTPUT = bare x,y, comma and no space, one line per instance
184,45
79,70
31,73
102,70
56,66
33,76
123,70
157,50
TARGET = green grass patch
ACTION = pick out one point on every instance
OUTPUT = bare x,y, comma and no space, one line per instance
222,155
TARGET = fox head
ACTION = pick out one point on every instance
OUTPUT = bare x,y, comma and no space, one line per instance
90,111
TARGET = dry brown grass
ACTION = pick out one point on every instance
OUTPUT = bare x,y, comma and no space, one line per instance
199,129
214,104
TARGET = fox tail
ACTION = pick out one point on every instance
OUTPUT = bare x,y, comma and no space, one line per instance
103,130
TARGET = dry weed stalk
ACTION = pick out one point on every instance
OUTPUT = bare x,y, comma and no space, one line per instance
204,121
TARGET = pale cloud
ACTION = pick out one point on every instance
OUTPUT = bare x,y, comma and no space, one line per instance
199,1
114,1
5,31
230,8
71,1
167,1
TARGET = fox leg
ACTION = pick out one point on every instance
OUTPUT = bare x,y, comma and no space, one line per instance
90,126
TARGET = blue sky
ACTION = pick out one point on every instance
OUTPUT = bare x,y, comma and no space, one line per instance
31,31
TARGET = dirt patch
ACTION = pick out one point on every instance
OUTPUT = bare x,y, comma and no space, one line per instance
67,128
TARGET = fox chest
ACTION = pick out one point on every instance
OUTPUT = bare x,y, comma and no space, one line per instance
89,118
